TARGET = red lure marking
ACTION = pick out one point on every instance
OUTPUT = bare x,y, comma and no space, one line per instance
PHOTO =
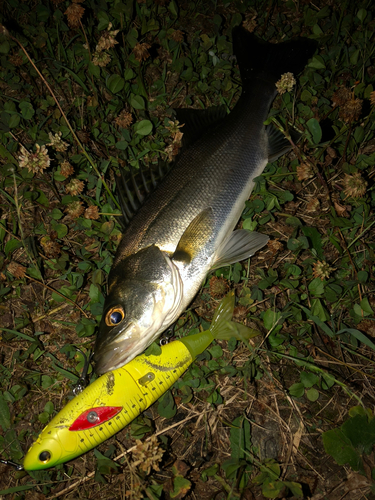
104,413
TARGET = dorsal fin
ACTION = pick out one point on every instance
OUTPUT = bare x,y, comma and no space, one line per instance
134,186
198,121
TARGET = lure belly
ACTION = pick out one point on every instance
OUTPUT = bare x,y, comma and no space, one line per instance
119,396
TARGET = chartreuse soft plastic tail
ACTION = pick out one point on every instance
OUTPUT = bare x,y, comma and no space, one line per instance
117,397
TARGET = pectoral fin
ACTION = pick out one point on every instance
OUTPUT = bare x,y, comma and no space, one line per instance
196,236
241,245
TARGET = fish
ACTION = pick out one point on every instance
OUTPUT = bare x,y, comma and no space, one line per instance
113,400
185,228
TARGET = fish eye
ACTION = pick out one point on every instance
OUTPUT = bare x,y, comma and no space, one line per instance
45,456
114,316
92,417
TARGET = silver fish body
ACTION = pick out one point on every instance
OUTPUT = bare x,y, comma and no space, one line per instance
185,228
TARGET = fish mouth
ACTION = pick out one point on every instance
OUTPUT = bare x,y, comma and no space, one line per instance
113,356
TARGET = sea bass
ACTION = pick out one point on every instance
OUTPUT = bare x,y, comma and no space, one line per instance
185,228
115,399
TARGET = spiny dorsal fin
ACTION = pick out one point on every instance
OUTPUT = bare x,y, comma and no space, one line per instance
133,188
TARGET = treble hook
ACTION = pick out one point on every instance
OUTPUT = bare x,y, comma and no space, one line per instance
82,382
13,464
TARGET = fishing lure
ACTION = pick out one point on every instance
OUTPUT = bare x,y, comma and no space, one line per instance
116,398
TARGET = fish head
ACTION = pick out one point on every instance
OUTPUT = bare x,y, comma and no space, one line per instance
145,292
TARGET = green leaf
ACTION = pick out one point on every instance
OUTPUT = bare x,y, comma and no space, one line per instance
359,336
316,240
240,438
359,410
216,351
144,127
103,20
327,381
341,449
295,488
129,74
362,276
56,214
61,229
122,145
297,390
139,430
318,322
167,406
11,246
354,56
44,417
95,292
365,306
316,131
42,199
173,9
137,101
105,465
34,272
49,407
16,489
361,14
27,110
4,414
153,350
316,287
271,489
293,221
115,83
2,230
308,379
361,432
4,47
181,486
271,318
359,134
312,394
47,381
317,63
318,310
94,70
14,121
231,466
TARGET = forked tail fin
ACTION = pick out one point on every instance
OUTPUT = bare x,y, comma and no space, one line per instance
267,61
223,328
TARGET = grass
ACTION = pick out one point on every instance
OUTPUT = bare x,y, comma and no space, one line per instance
266,419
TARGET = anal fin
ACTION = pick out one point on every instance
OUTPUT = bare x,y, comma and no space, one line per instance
278,144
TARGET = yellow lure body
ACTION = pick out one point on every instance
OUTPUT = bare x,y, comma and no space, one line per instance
127,391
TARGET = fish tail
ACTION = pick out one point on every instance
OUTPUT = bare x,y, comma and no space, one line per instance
266,61
221,328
